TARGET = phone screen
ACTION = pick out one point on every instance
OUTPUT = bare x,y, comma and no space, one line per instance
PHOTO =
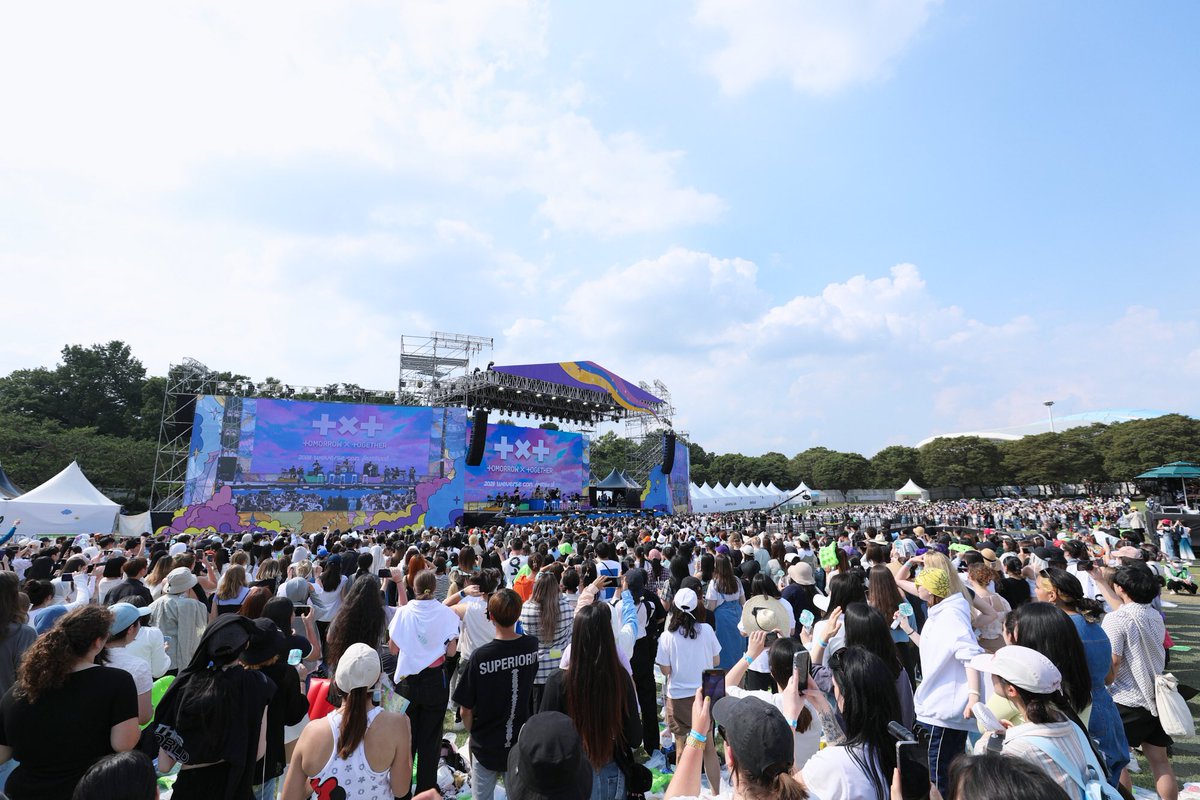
298,611
713,684
385,574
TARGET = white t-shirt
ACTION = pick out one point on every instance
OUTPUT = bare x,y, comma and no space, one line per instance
421,630
613,570
512,565
831,774
135,665
477,630
687,659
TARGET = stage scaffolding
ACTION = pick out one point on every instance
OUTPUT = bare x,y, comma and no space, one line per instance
184,382
429,363
647,431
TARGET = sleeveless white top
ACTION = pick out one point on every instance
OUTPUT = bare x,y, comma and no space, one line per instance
354,774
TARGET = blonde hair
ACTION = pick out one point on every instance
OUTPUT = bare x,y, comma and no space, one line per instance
936,560
303,568
232,582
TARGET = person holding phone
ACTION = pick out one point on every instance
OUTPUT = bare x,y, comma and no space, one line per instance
686,650
785,658
757,751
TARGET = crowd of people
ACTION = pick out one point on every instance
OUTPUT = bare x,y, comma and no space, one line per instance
741,656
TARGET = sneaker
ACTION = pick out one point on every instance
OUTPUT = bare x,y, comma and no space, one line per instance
1133,762
457,726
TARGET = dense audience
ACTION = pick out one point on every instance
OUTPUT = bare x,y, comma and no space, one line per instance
972,649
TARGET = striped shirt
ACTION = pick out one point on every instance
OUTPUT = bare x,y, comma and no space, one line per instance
549,653
1138,636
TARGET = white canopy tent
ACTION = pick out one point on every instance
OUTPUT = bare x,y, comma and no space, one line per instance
68,503
910,491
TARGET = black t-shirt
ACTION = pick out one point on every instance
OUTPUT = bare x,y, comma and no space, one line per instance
496,687
1014,590
67,730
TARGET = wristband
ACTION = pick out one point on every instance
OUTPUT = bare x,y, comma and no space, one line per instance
792,724
699,737
973,693
748,658
693,742
822,645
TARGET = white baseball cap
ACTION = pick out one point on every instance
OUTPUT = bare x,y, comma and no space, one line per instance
686,600
1023,667
358,668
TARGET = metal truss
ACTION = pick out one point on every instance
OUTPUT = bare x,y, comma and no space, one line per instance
184,382
429,362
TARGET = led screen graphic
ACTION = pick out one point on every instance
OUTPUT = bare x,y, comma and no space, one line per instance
274,463
529,464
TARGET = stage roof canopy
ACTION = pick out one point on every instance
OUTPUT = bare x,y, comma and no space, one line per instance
581,391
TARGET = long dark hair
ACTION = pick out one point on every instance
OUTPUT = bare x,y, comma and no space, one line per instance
780,660
546,595
1047,628
48,661
764,586
331,577
354,720
361,618
1070,594
596,684
845,588
882,592
707,565
866,628
679,571
869,703
723,575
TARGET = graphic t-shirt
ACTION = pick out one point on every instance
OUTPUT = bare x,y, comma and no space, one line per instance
82,713
496,687
512,567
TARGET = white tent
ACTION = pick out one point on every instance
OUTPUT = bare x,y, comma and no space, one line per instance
911,491
65,504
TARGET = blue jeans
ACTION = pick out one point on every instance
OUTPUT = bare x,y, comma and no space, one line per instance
483,781
945,745
608,783
6,769
268,790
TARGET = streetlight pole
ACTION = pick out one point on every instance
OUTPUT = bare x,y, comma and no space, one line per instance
1049,404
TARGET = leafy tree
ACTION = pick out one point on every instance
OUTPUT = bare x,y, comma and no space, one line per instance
961,461
773,468
804,463
894,466
98,386
610,452
549,426
841,471
1130,448
699,462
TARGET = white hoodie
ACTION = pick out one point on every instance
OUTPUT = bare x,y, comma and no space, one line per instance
947,644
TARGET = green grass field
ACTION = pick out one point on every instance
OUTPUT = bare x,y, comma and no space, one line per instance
1184,625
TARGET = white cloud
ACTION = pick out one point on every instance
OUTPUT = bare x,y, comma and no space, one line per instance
820,47
156,97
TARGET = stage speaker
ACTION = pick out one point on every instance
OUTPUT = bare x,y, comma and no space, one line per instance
226,468
668,455
478,438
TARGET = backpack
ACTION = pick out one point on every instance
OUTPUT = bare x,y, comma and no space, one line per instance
1091,784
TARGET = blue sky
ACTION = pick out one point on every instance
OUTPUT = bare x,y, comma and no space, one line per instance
850,225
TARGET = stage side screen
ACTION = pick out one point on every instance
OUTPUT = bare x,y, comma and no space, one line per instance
532,467
268,464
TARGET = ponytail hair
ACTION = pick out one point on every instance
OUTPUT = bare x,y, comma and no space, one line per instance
424,584
785,787
1070,594
354,721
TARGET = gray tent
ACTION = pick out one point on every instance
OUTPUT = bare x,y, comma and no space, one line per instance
8,489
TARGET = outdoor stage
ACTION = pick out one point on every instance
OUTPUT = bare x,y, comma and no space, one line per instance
271,462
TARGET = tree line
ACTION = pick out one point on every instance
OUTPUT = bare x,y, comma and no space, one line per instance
98,406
